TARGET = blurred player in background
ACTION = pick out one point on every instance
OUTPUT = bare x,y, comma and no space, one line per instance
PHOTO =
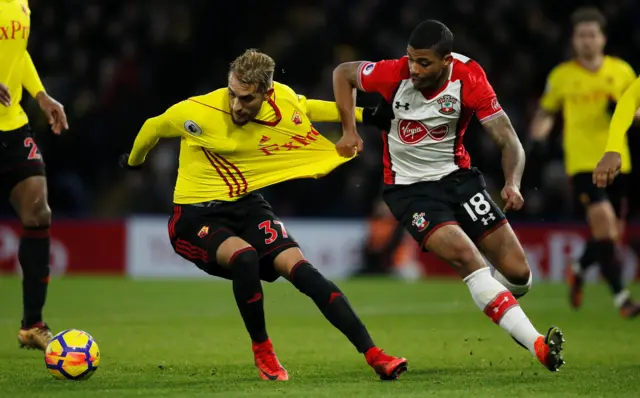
22,171
585,89
234,141
625,113
430,186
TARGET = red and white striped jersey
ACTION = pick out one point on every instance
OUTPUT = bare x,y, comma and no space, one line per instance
425,142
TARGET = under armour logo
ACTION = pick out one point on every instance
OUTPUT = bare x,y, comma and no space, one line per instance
405,106
488,219
504,301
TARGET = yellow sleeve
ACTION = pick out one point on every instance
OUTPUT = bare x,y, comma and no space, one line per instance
551,100
152,130
30,79
629,74
324,111
623,117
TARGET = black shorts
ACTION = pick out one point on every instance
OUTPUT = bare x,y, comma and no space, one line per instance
19,157
459,198
196,232
585,192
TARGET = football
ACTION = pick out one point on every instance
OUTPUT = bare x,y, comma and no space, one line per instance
72,355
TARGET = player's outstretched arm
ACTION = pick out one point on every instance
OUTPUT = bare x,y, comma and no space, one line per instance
550,103
513,159
345,82
623,116
148,136
542,124
54,110
319,111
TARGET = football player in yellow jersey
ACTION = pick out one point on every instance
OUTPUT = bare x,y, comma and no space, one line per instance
626,111
584,88
234,141
22,172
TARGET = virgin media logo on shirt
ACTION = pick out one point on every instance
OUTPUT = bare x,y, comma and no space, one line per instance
413,131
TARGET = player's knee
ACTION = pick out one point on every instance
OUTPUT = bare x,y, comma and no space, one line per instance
286,262
36,215
245,261
518,282
230,250
603,221
466,259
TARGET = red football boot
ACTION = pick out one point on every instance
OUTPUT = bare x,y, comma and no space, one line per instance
388,367
630,309
549,349
576,281
267,362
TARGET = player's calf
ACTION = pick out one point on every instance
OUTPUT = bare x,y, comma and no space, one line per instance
605,229
336,308
29,200
504,251
455,247
243,261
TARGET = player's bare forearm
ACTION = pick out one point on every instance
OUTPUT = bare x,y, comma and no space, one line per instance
513,157
542,124
345,82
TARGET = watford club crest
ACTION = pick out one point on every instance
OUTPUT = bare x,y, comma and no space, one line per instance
204,231
296,118
446,103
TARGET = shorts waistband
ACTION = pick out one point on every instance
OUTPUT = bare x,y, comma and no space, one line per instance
209,204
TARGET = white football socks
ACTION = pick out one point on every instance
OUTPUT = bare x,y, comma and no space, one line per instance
500,305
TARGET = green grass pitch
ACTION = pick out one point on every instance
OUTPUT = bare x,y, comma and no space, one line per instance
186,339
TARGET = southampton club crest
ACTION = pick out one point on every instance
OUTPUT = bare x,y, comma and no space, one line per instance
446,103
419,221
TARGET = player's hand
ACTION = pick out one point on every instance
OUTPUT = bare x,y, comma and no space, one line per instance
607,169
349,145
123,161
512,198
54,112
5,95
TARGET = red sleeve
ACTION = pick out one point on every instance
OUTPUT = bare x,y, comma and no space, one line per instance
383,77
479,95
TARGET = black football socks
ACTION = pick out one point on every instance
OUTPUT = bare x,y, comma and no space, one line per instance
332,303
247,289
33,254
610,265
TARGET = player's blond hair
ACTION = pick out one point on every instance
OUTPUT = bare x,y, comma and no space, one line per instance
254,67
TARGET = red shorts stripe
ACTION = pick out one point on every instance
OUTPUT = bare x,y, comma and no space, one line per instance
190,251
215,166
177,212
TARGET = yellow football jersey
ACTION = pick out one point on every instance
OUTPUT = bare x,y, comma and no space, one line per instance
220,160
16,67
584,96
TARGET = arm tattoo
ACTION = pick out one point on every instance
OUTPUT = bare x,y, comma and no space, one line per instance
350,72
513,157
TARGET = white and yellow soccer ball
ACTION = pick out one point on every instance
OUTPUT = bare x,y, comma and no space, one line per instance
72,355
